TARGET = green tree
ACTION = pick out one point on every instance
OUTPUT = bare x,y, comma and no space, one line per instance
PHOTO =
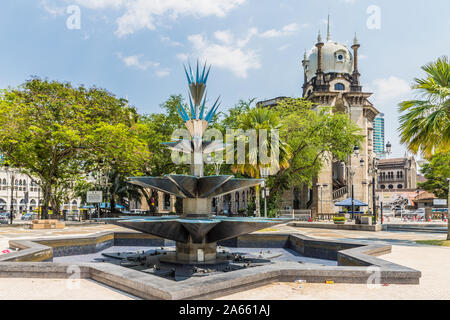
261,119
436,171
315,138
425,124
56,132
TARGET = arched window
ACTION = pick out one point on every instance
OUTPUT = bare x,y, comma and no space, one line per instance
339,86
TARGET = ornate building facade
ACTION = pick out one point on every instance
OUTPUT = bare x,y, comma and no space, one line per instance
332,78
397,174
25,194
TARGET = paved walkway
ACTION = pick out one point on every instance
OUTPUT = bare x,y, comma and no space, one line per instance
432,261
57,289
434,284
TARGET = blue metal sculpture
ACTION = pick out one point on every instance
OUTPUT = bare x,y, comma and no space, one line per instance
197,94
196,231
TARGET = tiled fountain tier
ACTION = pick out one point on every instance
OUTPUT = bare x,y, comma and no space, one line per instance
349,262
160,261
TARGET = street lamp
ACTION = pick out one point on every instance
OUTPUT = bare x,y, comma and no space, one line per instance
388,148
217,165
12,191
264,171
388,152
321,195
351,171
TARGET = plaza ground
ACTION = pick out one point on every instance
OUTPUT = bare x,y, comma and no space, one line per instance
432,261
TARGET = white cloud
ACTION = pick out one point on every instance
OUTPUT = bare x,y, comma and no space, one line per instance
224,36
285,31
162,73
170,41
145,14
98,4
391,90
136,61
229,53
284,47
53,9
142,14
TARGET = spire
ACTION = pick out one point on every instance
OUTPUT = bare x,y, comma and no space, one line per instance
355,40
305,56
328,29
319,38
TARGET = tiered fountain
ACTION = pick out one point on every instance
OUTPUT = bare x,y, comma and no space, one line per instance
197,231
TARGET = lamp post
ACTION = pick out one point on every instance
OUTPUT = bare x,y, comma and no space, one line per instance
12,192
448,209
321,186
351,171
264,171
388,152
217,165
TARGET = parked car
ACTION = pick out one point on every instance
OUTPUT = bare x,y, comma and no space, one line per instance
29,216
7,215
3,220
138,211
420,212
388,213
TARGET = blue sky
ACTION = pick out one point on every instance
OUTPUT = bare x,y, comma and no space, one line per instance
136,48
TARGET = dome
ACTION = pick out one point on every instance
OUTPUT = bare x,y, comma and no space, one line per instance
336,58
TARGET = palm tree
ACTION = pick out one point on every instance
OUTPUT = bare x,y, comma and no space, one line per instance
426,124
261,119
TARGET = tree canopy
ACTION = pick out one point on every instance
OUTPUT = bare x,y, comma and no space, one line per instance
58,132
425,122
436,171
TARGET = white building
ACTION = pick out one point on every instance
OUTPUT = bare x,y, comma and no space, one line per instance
26,194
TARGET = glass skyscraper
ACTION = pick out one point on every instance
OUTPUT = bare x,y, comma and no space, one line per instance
379,135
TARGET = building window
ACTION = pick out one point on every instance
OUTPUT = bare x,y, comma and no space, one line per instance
383,186
339,87
400,186
391,186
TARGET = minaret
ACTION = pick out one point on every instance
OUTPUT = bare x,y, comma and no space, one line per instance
328,30
319,73
355,86
305,65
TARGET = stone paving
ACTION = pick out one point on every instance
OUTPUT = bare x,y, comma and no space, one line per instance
430,260
434,284
435,281
58,289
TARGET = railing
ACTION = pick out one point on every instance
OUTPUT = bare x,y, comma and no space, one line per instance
340,192
301,214
325,216
393,179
